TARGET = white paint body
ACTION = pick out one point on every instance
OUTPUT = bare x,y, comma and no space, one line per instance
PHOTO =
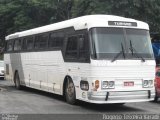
47,70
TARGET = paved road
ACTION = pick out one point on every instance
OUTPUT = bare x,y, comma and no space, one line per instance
30,101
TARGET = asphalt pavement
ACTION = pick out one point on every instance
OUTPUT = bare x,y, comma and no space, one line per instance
33,103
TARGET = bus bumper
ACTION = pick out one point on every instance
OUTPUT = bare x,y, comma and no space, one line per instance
120,96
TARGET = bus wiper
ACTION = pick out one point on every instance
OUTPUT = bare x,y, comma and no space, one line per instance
118,54
134,52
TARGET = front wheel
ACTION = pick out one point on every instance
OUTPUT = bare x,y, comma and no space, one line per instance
70,94
17,81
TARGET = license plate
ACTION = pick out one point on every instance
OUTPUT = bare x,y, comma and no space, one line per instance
128,83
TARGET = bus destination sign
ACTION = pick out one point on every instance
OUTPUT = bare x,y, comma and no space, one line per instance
120,23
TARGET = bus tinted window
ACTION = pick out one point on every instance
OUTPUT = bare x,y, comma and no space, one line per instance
83,47
17,45
72,45
41,41
9,45
30,43
24,44
56,40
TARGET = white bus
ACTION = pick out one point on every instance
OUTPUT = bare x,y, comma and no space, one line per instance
96,58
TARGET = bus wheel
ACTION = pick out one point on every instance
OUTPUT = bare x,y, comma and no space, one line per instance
17,81
70,94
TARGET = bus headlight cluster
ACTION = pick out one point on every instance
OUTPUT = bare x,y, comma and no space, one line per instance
147,83
108,84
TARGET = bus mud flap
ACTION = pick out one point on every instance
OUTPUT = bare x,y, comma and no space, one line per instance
107,96
149,94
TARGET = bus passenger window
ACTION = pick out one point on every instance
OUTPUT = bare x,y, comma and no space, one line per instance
9,46
24,45
72,47
56,40
41,41
17,45
82,47
30,43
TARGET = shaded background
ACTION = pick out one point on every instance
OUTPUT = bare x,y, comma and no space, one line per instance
19,15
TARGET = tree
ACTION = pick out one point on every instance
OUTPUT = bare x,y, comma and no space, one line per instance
144,10
19,15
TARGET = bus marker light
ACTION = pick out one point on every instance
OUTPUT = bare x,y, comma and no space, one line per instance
97,84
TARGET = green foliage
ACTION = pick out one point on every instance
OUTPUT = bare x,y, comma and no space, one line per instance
19,15
144,10
1,57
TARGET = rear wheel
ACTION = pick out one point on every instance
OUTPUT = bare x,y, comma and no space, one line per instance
70,94
17,81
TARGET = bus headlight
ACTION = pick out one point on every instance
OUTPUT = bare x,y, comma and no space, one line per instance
108,85
111,84
150,83
105,84
147,83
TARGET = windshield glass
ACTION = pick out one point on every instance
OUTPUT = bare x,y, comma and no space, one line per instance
108,42
140,41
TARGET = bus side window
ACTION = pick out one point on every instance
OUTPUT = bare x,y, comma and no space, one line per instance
72,48
24,45
41,41
83,47
9,45
56,40
17,45
30,43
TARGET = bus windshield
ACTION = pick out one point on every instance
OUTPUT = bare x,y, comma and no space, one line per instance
133,43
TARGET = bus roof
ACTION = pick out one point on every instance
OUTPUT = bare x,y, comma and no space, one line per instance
85,22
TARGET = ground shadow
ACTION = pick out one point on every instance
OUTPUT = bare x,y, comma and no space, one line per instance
39,92
99,108
108,107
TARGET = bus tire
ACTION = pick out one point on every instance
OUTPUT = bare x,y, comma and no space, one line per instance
70,94
17,81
